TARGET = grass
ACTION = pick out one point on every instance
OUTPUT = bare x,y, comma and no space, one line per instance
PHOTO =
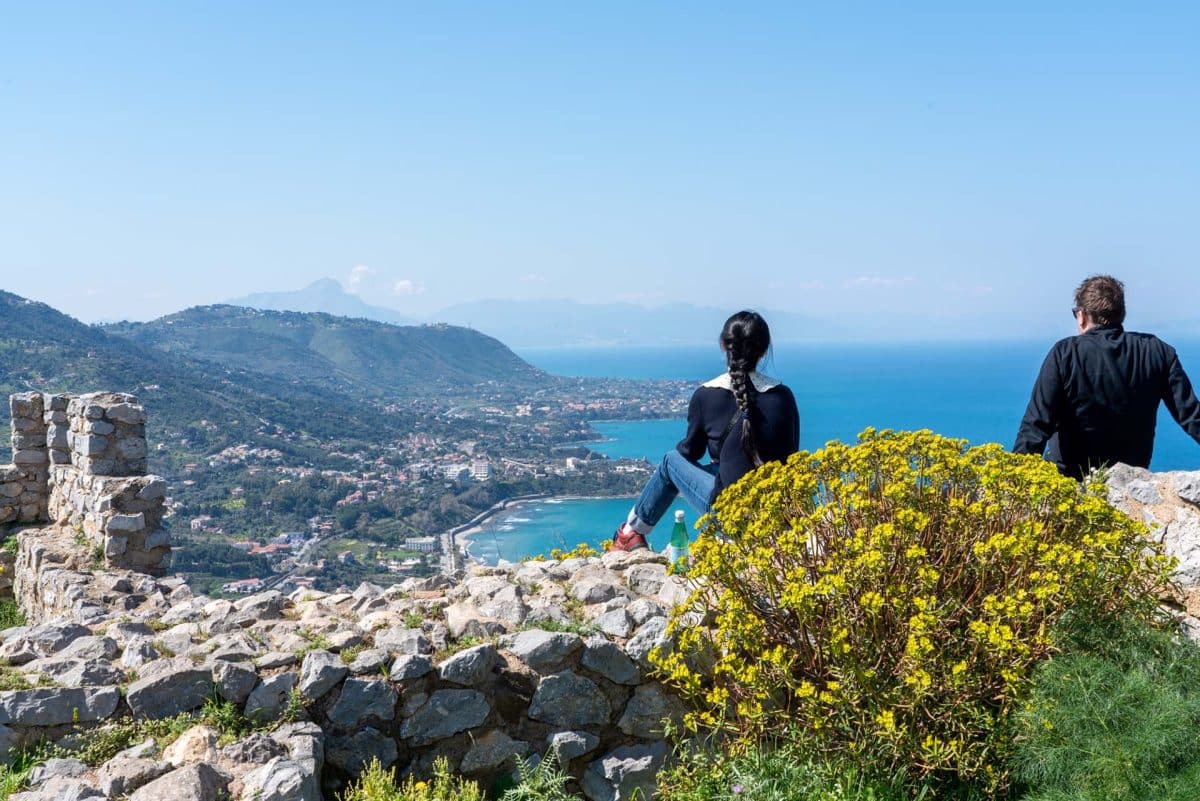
100,744
10,614
461,644
572,627
1115,717
782,773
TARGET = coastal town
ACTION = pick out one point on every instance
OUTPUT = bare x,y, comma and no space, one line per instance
251,516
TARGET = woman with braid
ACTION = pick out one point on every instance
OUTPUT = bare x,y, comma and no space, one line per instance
741,419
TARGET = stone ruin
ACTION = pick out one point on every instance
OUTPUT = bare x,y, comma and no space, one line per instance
507,664
80,462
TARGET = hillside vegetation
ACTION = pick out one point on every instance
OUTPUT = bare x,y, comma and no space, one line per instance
336,352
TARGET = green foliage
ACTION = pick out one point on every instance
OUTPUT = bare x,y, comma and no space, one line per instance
888,601
10,544
10,614
571,627
1114,718
97,745
546,781
13,679
377,784
767,773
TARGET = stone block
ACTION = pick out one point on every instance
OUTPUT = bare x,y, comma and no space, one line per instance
125,523
91,445
127,413
57,706
30,457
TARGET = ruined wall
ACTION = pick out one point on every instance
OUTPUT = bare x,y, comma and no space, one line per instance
80,462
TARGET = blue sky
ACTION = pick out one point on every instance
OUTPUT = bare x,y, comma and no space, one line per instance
916,168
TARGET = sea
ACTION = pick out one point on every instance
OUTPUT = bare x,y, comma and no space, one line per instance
974,391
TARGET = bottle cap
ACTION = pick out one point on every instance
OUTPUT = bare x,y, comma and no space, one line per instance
678,515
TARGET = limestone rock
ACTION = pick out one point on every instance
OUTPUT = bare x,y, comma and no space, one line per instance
122,775
352,752
56,706
197,744
469,668
168,687
624,774
647,710
270,698
280,780
201,782
320,673
363,699
234,680
544,650
446,713
410,667
491,751
572,744
569,701
606,658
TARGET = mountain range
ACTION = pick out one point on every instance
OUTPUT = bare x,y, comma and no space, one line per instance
552,323
251,371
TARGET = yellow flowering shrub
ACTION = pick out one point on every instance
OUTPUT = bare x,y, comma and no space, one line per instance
886,601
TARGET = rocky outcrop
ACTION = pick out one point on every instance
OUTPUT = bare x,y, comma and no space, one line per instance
1169,504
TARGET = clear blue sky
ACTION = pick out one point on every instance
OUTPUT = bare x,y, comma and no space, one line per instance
917,167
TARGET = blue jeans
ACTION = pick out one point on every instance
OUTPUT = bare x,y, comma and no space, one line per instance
674,476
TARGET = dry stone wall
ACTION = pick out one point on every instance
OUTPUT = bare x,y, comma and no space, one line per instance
80,462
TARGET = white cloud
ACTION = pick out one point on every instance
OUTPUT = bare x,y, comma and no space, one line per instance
532,278
405,287
359,275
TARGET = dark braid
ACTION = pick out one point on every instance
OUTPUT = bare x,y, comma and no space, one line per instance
745,339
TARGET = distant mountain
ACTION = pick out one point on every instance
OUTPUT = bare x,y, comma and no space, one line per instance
336,353
325,295
45,350
538,323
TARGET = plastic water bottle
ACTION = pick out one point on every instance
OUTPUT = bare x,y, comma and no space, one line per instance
677,548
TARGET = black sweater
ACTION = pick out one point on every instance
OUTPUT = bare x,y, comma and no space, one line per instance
775,421
1096,400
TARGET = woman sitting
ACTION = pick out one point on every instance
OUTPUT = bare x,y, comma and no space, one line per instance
742,419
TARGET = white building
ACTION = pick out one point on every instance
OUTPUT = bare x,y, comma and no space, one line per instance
481,469
422,544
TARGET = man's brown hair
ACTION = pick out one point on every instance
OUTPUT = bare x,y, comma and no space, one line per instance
1103,298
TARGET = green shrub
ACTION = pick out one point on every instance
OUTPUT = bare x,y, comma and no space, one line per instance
765,773
378,784
1116,717
10,614
887,601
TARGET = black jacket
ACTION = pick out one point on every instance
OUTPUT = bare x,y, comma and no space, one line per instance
775,421
1096,400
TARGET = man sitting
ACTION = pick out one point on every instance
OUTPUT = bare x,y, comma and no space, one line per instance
1096,399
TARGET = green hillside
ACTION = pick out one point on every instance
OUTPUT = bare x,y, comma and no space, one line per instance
336,352
45,350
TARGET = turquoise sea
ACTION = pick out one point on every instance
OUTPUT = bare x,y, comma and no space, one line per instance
975,391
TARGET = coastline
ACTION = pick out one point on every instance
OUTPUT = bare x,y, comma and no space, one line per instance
461,536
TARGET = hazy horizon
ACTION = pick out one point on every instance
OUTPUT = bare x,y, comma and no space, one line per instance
938,173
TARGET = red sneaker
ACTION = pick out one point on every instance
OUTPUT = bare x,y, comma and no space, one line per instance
627,538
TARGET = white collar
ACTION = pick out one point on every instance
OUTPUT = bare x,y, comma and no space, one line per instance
762,383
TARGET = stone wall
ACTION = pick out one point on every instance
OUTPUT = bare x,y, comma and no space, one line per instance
80,462
23,493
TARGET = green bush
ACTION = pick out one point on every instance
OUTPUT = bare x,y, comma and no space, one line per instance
1116,717
378,784
887,602
781,773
